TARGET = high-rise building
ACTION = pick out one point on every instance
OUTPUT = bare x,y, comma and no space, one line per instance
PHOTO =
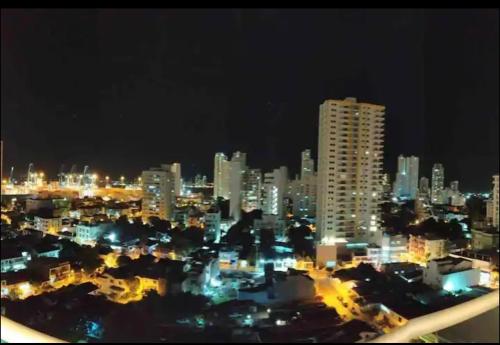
495,217
158,189
221,176
302,190
237,169
176,171
307,164
406,183
423,187
437,189
454,186
275,185
349,170
386,183
252,190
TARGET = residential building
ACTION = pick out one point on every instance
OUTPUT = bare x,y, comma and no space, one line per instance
252,190
349,170
437,190
423,186
451,274
422,249
406,183
275,184
48,225
90,233
238,166
221,176
286,287
158,189
212,220
13,259
484,238
175,168
302,190
394,248
307,164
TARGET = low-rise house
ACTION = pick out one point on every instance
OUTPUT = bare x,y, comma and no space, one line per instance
287,287
422,249
13,258
451,274
49,225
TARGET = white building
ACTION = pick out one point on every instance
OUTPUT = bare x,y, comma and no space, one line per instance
158,189
406,183
50,225
221,176
393,248
252,190
437,190
175,168
275,187
88,234
238,166
451,274
349,170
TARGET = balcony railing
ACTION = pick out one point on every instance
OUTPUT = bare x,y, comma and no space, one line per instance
14,332
440,320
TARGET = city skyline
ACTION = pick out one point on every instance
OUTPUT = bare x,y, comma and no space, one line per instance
127,109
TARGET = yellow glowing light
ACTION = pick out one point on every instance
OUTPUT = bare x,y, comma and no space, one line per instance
122,178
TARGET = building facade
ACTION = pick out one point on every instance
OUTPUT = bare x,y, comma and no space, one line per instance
406,183
349,170
275,186
221,176
437,190
158,189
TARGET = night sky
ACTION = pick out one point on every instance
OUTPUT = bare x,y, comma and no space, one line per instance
123,90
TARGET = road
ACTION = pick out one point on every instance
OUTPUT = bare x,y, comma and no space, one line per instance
340,299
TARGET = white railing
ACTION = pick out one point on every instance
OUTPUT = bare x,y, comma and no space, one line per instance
442,319
14,332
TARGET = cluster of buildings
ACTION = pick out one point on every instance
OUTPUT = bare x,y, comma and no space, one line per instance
340,202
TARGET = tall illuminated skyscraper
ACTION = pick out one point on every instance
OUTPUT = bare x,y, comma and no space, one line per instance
221,176
158,189
238,166
406,183
437,188
175,168
351,138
